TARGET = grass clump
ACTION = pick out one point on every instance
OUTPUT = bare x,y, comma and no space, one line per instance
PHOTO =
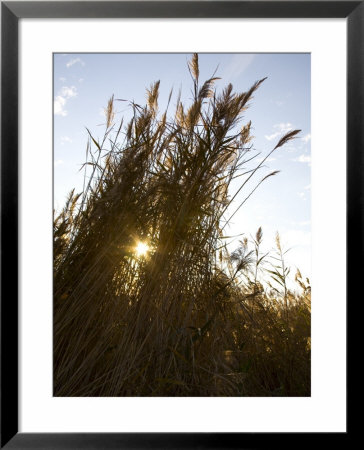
147,299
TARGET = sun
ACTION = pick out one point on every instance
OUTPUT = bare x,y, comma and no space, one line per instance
142,249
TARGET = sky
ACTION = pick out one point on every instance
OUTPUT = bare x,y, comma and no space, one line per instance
83,83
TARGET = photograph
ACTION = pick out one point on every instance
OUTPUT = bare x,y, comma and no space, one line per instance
181,224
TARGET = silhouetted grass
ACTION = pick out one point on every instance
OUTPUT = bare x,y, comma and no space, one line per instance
187,318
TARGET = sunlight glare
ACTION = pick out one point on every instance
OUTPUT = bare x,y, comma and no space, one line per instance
142,249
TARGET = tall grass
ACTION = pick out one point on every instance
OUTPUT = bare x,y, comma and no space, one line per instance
187,318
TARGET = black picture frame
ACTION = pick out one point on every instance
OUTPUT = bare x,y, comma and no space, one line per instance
11,12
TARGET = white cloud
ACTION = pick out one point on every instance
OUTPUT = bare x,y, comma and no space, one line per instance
68,92
81,80
59,103
65,139
304,159
58,162
73,61
308,187
63,79
270,137
306,138
61,99
296,238
238,64
301,195
282,128
278,103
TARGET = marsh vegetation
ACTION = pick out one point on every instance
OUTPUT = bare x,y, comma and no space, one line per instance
149,298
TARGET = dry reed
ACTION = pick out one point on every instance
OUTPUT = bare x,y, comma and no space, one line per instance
187,318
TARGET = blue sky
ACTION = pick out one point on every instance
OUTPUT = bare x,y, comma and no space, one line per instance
83,83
